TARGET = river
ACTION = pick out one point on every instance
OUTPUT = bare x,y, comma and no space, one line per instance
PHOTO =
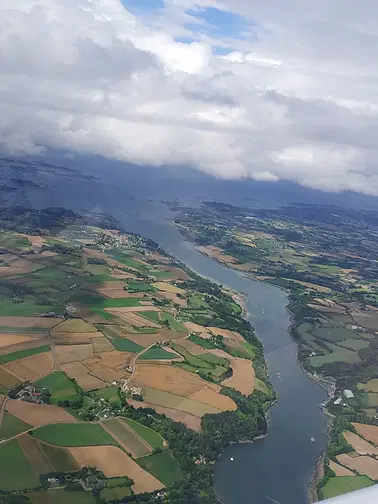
278,468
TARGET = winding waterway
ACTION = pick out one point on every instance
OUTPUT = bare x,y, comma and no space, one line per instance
279,468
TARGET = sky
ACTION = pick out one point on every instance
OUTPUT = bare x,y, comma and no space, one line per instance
260,89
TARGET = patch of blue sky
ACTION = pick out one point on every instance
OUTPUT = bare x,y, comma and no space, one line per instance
217,23
143,6
185,40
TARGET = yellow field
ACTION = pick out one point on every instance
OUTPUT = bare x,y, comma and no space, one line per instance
363,465
102,344
32,367
113,462
167,287
369,432
14,339
182,383
360,445
243,377
75,326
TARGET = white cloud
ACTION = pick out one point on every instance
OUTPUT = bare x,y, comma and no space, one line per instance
297,102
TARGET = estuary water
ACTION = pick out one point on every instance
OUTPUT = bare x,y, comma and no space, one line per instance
277,469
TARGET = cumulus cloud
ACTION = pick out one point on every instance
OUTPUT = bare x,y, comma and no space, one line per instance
292,95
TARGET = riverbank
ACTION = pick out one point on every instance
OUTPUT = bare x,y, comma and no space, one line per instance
327,385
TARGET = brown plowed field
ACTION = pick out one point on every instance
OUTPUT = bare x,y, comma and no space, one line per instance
217,253
31,368
133,319
108,375
243,376
72,353
38,414
363,465
340,470
183,383
146,340
226,333
188,419
113,462
61,338
192,326
29,321
115,359
37,341
369,432
191,347
7,380
174,401
13,339
81,374
360,445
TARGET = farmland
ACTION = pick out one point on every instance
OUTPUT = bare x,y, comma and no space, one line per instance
344,484
78,434
16,472
91,301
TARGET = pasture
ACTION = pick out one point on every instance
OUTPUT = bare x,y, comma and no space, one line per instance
74,434
344,484
11,426
158,353
149,435
338,354
45,458
128,438
125,345
59,496
16,472
163,466
58,384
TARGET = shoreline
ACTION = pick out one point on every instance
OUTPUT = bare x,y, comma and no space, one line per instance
240,298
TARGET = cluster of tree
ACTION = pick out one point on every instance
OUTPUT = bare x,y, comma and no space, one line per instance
96,260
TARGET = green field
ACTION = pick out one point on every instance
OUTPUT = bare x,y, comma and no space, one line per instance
149,435
11,426
368,399
16,472
109,494
59,496
160,275
333,333
125,259
340,485
27,308
354,344
163,466
339,354
173,324
125,345
76,434
109,393
150,315
53,273
23,330
157,353
14,242
196,301
135,286
129,437
201,342
120,302
59,386
215,360
45,458
23,353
